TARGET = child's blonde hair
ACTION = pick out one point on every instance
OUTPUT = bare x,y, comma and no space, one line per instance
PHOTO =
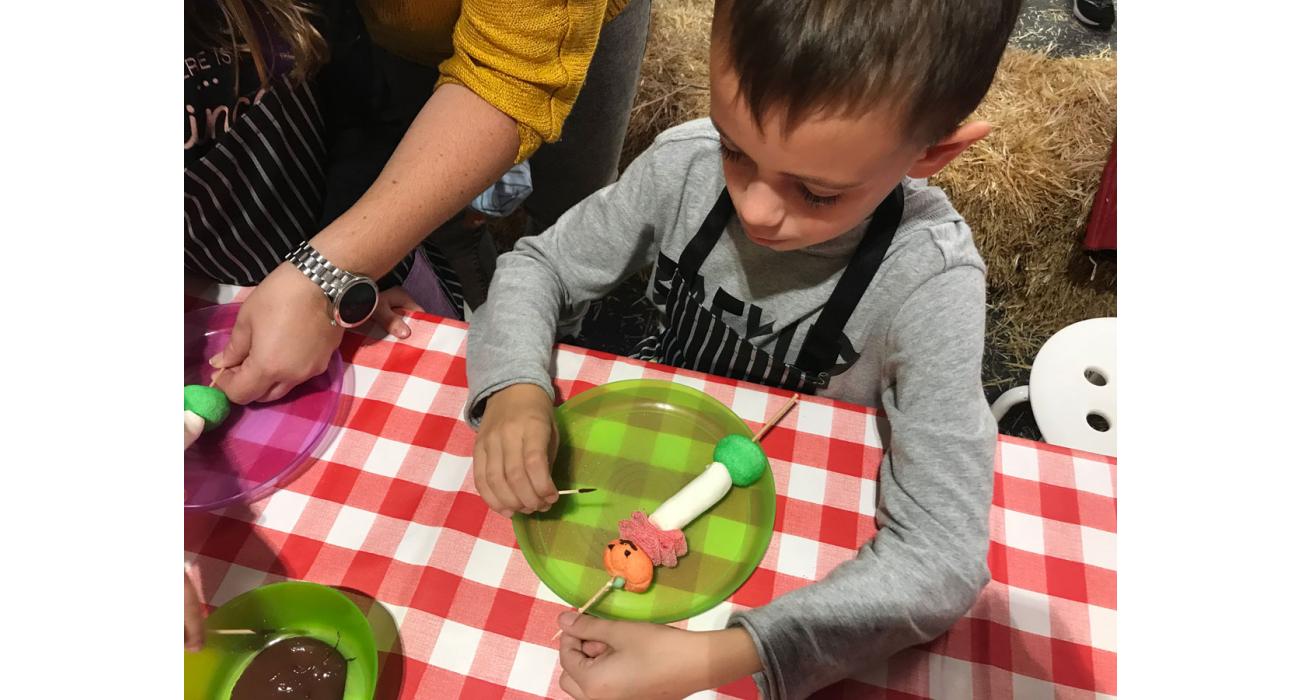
245,26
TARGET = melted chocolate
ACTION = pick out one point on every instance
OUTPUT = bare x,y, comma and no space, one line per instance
295,668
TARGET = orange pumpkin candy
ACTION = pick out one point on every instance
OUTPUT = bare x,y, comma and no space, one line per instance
624,558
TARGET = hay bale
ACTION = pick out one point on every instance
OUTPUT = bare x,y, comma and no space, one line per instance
1026,190
674,85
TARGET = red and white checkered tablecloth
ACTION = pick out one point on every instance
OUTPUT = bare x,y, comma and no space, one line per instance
388,512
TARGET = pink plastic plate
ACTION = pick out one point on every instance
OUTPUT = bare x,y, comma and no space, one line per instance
259,445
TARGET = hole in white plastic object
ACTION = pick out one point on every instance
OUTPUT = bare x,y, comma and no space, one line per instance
1095,376
1098,422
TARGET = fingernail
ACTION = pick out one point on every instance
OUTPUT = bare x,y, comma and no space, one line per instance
403,333
215,360
567,618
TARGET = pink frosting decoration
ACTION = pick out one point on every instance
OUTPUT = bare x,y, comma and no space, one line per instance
662,547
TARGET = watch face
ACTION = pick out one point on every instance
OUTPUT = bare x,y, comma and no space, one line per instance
357,303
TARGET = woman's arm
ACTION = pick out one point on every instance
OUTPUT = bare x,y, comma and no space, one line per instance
455,148
515,74
458,145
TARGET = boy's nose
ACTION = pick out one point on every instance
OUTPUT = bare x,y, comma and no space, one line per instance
761,206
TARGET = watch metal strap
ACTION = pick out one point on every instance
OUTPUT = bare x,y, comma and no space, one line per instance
330,279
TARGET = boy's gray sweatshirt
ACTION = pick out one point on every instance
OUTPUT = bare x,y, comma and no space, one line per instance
913,348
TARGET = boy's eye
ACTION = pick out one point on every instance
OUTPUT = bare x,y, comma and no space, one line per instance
817,200
730,154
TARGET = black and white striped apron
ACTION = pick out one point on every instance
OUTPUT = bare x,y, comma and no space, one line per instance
258,191
694,338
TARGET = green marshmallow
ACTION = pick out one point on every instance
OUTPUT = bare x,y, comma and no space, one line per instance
742,457
208,403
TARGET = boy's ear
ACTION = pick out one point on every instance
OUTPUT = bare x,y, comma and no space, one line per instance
949,147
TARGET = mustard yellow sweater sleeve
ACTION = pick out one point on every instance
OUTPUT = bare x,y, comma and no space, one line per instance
527,59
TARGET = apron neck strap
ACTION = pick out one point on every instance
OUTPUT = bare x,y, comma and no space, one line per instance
706,237
821,346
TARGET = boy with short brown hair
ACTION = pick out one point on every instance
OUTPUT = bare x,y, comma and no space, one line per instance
795,243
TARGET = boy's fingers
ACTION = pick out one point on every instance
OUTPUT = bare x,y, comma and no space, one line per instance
588,628
516,475
480,474
572,660
570,686
486,486
553,448
507,503
537,467
594,649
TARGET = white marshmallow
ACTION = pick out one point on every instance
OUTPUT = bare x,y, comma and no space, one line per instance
696,497
193,428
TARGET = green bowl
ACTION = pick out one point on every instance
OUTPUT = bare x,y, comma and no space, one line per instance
283,610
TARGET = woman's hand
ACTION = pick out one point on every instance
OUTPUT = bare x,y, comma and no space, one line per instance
607,659
282,337
516,444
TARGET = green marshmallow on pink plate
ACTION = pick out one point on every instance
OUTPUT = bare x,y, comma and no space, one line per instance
208,403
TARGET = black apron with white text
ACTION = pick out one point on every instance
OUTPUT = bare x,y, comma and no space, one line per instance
695,338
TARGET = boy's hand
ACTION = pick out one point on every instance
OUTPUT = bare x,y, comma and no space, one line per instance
386,316
606,659
193,617
516,444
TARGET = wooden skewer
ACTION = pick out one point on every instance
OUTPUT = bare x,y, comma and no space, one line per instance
216,375
771,423
567,492
603,590
592,600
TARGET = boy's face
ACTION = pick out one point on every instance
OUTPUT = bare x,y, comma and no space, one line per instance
815,183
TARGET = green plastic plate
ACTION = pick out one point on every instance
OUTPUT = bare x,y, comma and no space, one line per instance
638,442
286,609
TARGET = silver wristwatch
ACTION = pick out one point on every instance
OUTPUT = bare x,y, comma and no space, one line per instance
352,297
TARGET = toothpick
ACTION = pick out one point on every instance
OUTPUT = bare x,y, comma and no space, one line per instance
567,492
776,418
215,376
233,631
603,590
